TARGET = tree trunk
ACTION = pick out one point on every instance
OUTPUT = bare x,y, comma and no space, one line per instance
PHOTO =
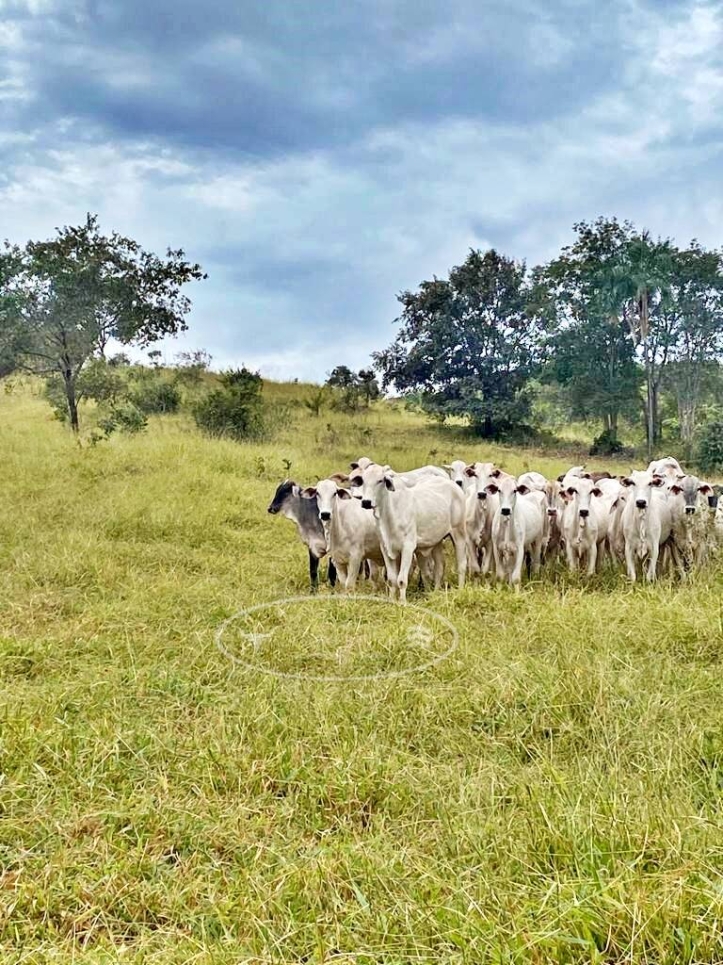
650,403
69,382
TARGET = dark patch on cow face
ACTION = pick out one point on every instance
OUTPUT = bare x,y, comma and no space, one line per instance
283,491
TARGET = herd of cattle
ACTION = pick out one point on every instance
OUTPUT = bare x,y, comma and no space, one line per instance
387,521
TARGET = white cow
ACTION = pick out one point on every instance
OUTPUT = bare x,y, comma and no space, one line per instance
668,466
481,508
585,523
692,518
517,528
533,480
646,521
351,535
459,476
414,519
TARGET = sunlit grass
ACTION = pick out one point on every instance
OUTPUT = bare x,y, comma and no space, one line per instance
550,792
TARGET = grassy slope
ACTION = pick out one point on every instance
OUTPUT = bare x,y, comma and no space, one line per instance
552,788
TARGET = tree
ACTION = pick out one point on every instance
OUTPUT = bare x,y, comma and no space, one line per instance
695,305
640,284
590,351
77,291
368,385
341,377
468,343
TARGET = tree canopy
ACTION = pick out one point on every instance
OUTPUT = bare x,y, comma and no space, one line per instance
64,299
468,343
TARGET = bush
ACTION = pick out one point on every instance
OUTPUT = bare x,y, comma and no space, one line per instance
235,409
606,444
122,417
709,456
156,396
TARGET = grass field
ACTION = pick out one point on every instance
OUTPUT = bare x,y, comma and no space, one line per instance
551,791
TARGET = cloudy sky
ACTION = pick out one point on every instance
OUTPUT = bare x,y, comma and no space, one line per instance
319,157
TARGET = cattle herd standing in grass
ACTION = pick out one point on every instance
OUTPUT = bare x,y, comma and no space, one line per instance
383,522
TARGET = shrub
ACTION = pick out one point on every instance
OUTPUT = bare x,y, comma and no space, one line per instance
709,456
121,417
235,409
156,396
606,444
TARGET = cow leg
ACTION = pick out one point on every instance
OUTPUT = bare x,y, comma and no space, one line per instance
314,571
653,561
460,548
331,572
405,566
535,558
499,563
438,559
390,563
355,563
341,569
516,574
571,556
630,560
591,559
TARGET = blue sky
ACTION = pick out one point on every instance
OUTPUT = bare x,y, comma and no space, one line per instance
318,158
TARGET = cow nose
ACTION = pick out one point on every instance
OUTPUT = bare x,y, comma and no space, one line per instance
641,503
459,483
481,495
505,510
584,513
551,512
689,510
271,510
325,517
366,504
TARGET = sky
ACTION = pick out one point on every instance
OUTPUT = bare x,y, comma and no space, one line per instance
318,158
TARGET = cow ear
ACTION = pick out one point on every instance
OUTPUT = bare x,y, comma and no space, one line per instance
470,470
496,473
339,477
295,490
586,475
658,481
677,490
596,491
627,481
705,489
571,491
448,468
523,490
309,492
492,489
353,465
389,483
560,478
343,494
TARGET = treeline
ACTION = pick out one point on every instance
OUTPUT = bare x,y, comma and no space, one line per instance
621,323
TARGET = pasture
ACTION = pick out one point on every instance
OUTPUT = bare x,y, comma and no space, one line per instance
552,791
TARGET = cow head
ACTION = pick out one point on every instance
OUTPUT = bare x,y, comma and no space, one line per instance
375,477
326,492
284,491
642,483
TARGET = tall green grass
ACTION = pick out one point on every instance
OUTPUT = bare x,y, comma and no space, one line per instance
551,792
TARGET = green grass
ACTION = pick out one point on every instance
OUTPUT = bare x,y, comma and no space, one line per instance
552,791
